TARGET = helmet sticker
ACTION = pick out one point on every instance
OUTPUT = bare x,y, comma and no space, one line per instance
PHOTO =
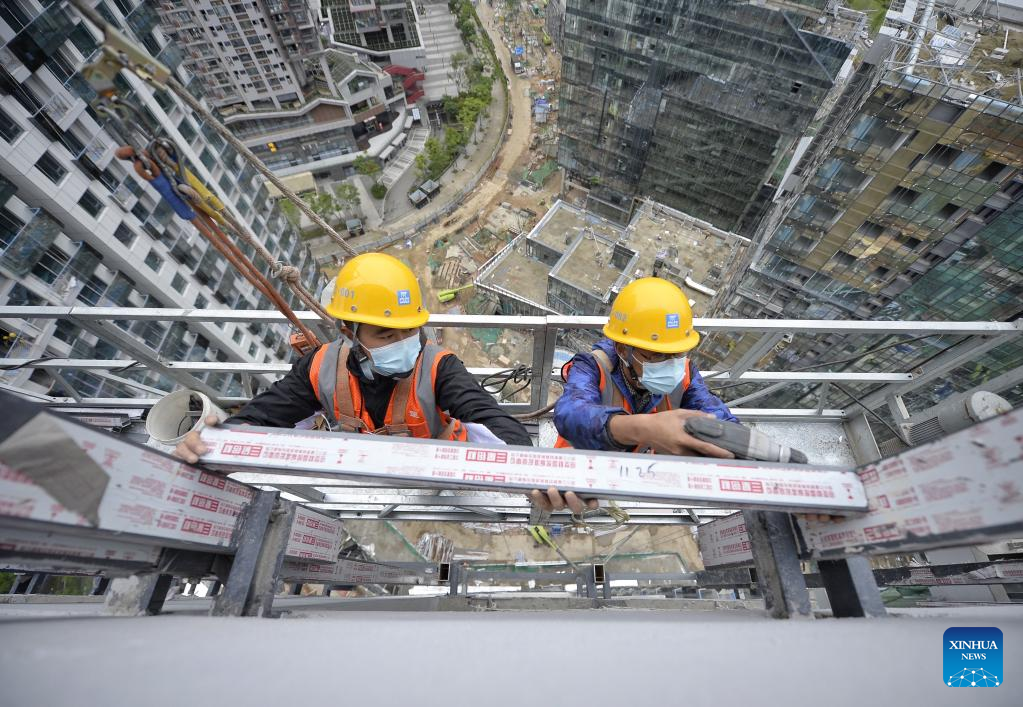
672,321
404,297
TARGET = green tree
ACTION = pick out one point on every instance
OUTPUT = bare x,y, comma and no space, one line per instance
435,157
422,166
367,167
324,205
459,63
348,196
290,211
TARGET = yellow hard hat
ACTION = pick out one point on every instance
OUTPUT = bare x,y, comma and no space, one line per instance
652,314
378,289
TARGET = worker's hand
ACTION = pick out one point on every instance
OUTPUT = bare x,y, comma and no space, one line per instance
553,500
191,447
820,517
664,432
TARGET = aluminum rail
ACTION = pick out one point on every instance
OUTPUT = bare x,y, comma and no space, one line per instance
689,481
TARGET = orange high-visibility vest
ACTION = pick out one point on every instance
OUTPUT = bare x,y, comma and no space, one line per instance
612,397
412,410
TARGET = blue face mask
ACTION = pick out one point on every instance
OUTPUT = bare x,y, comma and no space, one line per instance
397,358
663,377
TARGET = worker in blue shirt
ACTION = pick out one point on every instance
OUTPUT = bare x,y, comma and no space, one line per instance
634,391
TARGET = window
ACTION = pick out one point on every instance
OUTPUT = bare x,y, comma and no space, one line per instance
992,171
92,205
124,234
154,261
92,290
178,283
844,259
201,303
948,210
237,336
49,166
903,196
252,350
187,131
207,158
871,229
9,129
943,155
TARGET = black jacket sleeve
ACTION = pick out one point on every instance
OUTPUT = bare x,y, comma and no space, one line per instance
287,402
462,397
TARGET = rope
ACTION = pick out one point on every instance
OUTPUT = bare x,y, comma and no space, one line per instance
181,92
290,274
177,89
209,228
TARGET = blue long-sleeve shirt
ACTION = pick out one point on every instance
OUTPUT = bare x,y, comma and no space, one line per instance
581,417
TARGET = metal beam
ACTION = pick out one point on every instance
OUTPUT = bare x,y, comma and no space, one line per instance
949,359
757,395
735,326
720,377
760,348
108,332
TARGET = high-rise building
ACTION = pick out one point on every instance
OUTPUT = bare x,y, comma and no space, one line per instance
694,104
296,105
78,226
905,206
246,54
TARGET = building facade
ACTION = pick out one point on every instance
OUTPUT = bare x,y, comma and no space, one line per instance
248,55
79,227
694,104
351,107
298,106
906,206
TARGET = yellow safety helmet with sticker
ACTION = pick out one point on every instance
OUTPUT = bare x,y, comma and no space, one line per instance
378,289
654,315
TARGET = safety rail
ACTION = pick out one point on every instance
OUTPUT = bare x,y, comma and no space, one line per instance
972,340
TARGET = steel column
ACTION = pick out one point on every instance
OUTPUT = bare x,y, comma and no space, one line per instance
851,587
248,543
138,594
271,557
778,570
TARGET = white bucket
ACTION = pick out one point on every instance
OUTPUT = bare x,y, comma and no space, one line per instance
179,413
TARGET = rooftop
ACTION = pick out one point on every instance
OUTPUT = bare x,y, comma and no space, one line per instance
598,257
515,272
588,265
687,248
563,222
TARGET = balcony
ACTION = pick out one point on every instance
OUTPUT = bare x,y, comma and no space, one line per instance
362,5
369,113
23,246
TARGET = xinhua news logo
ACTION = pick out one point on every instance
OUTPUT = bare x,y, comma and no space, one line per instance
972,657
